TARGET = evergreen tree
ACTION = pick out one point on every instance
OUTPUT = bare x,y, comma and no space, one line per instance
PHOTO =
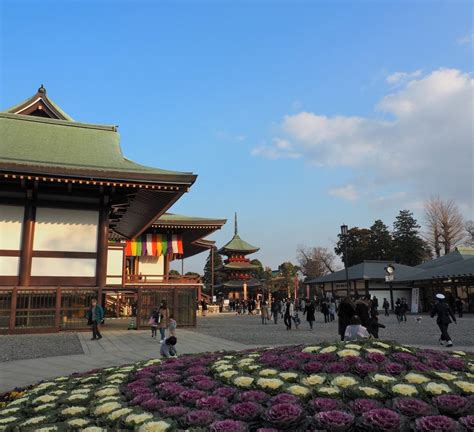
218,273
258,273
409,248
380,242
288,271
357,246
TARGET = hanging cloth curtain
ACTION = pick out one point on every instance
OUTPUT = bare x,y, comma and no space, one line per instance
155,245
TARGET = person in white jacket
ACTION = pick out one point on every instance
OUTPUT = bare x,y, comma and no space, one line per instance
356,330
288,313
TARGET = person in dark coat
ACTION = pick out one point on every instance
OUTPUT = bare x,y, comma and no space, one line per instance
345,314
374,325
403,310
362,311
444,316
95,315
275,308
309,311
325,311
386,306
459,306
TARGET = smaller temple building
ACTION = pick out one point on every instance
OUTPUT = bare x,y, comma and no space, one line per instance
240,282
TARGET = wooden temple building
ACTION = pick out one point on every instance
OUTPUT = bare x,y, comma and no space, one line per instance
79,220
239,282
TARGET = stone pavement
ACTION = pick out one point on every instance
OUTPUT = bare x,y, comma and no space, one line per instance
117,347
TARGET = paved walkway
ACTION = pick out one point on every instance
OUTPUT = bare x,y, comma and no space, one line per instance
117,347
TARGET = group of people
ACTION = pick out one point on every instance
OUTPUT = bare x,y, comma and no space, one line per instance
358,318
243,306
162,319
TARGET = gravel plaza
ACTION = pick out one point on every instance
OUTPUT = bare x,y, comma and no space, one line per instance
26,359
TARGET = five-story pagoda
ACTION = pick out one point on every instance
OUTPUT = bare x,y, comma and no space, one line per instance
239,272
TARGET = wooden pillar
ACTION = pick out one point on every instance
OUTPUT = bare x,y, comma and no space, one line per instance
27,236
139,307
57,317
391,297
13,309
175,303
102,247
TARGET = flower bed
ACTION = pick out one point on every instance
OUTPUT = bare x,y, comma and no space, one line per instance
366,386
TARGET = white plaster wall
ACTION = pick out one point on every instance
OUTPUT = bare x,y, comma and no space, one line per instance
114,266
63,267
9,266
151,265
65,230
11,221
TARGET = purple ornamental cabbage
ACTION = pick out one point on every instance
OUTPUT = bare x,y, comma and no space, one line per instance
199,418
334,421
313,367
394,368
363,369
228,426
173,411
326,404
436,423
456,364
376,357
253,395
189,397
468,422
195,378
196,370
284,398
452,405
227,392
213,403
245,411
336,368
283,415
381,420
412,407
206,385
359,406
168,377
420,367
351,360
288,364
169,389
325,357
404,357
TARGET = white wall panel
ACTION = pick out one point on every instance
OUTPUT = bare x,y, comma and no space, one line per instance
11,220
65,230
114,266
151,265
63,267
9,266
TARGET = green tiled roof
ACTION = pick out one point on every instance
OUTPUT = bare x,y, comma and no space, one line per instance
238,245
177,218
37,144
46,100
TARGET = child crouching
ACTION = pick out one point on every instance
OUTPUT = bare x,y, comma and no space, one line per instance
168,348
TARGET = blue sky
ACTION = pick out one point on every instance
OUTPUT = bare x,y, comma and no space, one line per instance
264,101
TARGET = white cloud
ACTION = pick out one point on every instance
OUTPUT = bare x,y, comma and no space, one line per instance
281,149
424,146
467,39
398,77
346,192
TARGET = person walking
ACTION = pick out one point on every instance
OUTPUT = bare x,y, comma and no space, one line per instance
164,320
445,317
275,309
459,306
398,306
325,311
309,311
403,310
374,306
345,315
288,314
386,307
264,311
362,311
203,307
374,325
153,322
95,315
332,310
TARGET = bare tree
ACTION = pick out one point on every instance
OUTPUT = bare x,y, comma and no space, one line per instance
469,228
445,224
315,261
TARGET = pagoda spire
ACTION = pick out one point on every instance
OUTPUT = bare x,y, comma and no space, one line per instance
235,224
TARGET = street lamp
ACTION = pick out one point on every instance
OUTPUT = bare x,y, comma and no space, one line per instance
344,235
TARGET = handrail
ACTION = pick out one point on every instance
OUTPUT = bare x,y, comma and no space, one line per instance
170,278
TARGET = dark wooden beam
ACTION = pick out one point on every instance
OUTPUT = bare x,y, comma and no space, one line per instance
102,245
27,236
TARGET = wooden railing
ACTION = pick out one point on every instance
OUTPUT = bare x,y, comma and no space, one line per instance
162,279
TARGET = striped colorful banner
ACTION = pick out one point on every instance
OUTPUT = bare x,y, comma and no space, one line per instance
155,245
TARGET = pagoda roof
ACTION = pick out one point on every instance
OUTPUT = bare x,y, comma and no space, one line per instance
251,283
239,266
237,244
177,220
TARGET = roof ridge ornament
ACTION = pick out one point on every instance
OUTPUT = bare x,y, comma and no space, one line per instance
42,90
235,224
